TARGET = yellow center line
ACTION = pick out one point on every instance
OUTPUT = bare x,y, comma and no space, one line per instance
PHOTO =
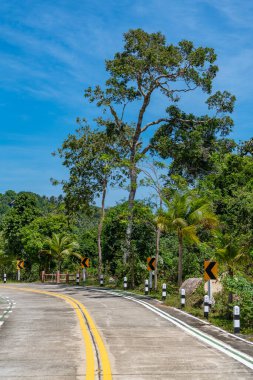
90,365
105,363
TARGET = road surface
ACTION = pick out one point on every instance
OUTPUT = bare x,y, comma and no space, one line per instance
56,332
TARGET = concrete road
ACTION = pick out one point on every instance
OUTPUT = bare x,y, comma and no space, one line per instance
41,339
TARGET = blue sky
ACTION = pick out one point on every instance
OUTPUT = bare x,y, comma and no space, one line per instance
52,50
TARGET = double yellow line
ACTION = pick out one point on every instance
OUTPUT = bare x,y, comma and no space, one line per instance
81,312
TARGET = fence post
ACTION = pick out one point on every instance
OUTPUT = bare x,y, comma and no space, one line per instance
236,313
206,306
125,283
58,277
43,276
67,278
182,298
164,292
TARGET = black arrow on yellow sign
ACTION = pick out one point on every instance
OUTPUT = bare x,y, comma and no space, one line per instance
211,270
20,264
151,263
85,262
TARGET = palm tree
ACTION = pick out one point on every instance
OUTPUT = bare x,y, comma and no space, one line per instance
59,247
231,253
185,213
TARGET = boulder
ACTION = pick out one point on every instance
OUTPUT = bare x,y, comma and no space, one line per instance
191,284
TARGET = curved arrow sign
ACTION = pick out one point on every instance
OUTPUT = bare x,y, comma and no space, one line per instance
85,262
210,270
151,263
20,264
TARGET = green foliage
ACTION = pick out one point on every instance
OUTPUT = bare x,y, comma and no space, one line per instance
6,201
231,188
191,141
114,230
24,211
242,290
93,159
34,234
60,246
186,214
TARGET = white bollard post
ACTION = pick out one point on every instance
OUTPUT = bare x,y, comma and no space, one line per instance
5,278
101,280
146,287
236,313
182,298
77,279
164,292
18,274
125,283
206,306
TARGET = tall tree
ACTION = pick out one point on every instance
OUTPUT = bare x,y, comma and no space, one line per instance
147,66
93,158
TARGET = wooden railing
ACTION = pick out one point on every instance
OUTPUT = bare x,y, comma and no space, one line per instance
58,278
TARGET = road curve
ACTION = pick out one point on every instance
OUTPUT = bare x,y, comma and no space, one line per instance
141,345
95,350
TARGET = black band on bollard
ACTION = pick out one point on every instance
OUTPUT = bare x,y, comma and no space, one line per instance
236,317
206,307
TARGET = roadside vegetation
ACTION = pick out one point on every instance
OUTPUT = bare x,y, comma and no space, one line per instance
199,178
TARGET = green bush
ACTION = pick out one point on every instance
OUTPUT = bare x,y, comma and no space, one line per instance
242,291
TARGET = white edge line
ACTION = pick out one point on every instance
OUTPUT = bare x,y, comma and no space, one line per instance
193,316
205,338
215,327
182,325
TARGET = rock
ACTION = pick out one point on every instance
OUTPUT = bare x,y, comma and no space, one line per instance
191,284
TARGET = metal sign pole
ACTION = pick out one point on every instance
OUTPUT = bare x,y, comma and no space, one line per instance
150,280
209,291
84,274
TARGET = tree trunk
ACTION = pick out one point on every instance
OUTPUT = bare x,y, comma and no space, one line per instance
158,235
131,198
180,258
229,313
100,227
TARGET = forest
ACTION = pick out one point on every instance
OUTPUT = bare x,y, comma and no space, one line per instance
195,183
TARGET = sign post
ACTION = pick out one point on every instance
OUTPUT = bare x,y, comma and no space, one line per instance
85,263
210,273
20,265
150,280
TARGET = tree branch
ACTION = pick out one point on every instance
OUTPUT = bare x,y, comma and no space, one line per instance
145,150
153,123
114,114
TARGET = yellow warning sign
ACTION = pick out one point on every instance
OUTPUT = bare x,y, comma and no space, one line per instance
210,270
20,264
151,263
